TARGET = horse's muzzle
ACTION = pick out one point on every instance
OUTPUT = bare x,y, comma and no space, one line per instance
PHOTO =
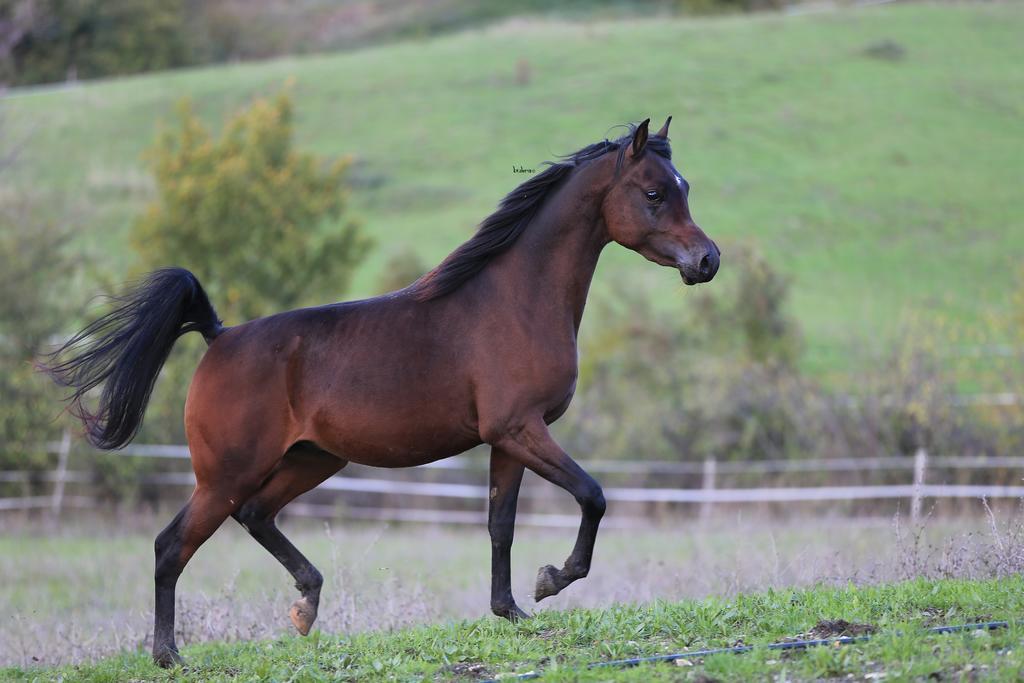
702,270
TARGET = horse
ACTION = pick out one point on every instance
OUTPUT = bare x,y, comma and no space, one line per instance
480,350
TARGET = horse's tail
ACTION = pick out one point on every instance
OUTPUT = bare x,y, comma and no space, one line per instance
125,349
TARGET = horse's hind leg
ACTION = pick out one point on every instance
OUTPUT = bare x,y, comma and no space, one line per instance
303,468
205,511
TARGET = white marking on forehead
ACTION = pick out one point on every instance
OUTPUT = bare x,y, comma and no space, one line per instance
679,180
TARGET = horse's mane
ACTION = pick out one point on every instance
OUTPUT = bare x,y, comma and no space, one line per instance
501,229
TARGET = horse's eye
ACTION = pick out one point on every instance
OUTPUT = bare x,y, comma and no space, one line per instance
653,196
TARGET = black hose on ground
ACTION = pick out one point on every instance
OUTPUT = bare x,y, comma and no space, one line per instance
740,649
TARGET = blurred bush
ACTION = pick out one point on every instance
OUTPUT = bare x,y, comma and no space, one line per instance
1018,304
755,315
723,380
402,268
35,276
43,41
30,266
39,275
262,225
716,6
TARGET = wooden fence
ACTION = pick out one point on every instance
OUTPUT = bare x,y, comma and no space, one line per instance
704,491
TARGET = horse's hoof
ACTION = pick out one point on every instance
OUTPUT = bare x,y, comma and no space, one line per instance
546,583
515,614
303,614
512,613
168,658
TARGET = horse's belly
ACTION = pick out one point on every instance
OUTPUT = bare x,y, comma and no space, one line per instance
399,431
400,447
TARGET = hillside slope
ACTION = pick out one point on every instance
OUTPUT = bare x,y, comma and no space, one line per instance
874,155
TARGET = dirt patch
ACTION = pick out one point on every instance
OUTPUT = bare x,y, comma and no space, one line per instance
886,50
839,628
467,671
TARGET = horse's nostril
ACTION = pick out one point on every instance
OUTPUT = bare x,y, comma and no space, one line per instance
705,266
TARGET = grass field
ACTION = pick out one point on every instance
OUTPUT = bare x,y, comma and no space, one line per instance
84,593
561,644
874,155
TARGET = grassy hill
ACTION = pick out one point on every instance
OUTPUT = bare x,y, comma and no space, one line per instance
874,155
561,644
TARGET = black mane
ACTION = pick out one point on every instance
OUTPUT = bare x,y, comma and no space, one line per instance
501,229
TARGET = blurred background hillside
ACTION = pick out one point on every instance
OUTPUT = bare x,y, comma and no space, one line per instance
46,41
860,166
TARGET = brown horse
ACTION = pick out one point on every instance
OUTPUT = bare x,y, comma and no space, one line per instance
480,350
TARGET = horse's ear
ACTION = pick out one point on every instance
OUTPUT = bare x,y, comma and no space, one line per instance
640,138
663,133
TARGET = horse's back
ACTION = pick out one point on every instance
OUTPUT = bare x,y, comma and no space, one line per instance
372,381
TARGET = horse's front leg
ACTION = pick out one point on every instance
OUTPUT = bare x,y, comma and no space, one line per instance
506,477
532,445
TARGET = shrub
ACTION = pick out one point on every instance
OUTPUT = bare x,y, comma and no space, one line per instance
54,40
403,267
723,380
35,276
260,223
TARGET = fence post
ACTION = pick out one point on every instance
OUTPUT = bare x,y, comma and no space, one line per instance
708,485
62,470
920,464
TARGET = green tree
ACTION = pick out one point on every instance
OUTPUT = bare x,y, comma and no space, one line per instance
29,267
260,223
54,40
38,278
33,308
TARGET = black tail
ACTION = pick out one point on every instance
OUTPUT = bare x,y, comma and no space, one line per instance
125,349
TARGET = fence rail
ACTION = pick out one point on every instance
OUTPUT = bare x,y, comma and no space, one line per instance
708,494
892,462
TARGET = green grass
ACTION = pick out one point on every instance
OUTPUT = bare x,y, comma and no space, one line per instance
562,644
886,188
86,592
83,594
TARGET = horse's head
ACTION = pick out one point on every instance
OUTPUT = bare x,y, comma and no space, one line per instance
647,210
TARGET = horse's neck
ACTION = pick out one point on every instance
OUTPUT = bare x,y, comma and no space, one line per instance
548,271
